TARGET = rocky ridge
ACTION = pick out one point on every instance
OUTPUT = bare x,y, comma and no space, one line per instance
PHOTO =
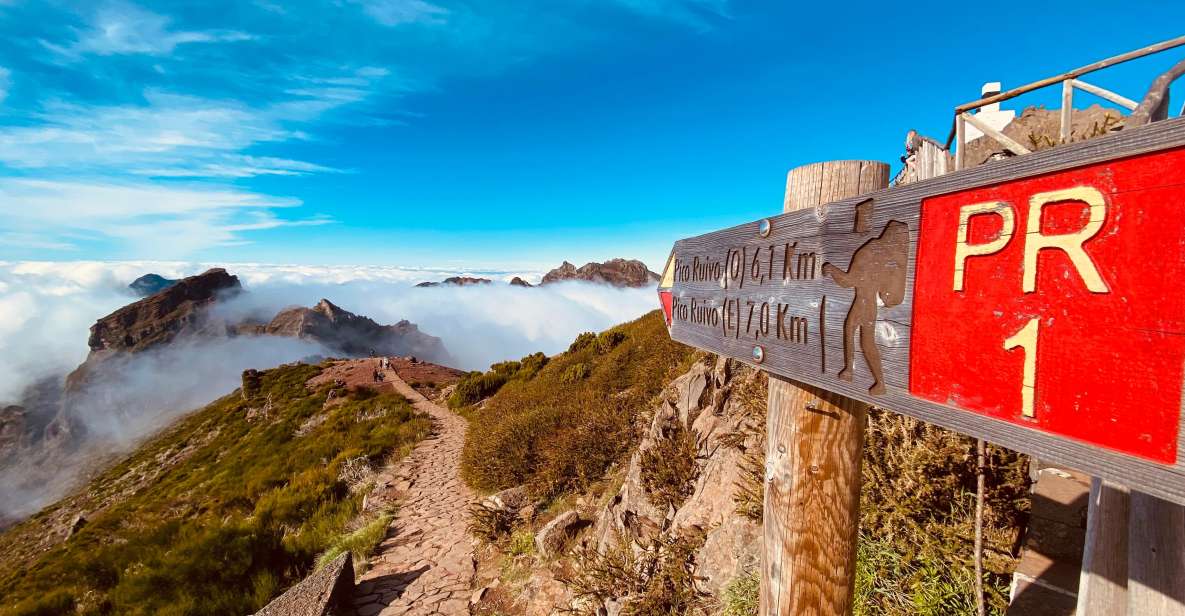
351,334
615,272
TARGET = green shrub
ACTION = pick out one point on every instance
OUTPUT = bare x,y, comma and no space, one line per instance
668,467
556,436
917,516
521,542
575,373
609,339
477,386
656,580
583,341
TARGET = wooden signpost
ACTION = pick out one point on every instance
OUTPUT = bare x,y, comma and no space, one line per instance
1036,302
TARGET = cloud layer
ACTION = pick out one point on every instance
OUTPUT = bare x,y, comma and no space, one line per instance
47,308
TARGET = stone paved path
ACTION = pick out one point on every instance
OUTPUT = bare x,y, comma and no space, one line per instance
425,565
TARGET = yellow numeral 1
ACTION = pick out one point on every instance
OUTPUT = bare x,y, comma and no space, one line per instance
1026,339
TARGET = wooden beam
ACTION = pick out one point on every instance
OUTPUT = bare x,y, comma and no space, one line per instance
813,453
1082,70
1155,105
1103,93
1004,140
1102,587
1156,557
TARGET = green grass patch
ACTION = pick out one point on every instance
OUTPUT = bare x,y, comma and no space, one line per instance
361,543
742,595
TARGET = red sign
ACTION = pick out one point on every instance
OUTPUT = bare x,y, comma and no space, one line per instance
1055,302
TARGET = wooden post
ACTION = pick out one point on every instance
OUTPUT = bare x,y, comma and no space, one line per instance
812,493
1102,587
1156,557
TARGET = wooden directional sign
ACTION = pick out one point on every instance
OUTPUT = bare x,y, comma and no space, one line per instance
1037,302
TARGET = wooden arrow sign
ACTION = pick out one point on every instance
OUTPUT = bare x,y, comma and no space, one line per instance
1036,302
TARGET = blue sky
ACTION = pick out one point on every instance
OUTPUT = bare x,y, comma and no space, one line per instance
481,134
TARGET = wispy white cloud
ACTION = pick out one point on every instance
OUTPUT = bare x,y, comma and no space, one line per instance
34,240
169,220
122,28
399,12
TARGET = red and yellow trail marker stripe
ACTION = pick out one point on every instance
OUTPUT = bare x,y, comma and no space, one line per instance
664,288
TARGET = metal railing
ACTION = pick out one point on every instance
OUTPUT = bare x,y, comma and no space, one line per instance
1069,80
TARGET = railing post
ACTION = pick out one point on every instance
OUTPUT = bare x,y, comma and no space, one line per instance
1102,586
813,452
1067,118
960,141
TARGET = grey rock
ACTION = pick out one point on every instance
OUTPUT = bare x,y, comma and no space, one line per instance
326,592
552,538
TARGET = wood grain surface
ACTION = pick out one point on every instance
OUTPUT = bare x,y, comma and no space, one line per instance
814,443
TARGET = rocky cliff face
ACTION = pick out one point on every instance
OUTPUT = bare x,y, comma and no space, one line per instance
351,334
179,309
683,503
616,272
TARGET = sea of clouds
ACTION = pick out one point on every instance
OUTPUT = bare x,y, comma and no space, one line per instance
47,308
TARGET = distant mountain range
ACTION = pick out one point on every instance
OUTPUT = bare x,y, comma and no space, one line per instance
614,272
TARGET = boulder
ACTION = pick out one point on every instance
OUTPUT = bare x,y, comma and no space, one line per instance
326,592
76,525
551,539
510,500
